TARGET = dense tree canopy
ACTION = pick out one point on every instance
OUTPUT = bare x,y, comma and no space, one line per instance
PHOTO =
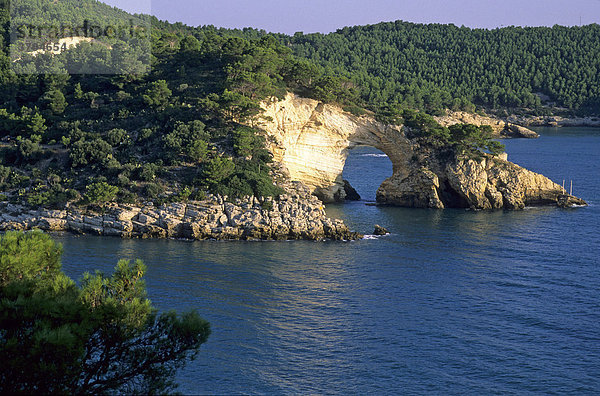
101,336
444,66
131,137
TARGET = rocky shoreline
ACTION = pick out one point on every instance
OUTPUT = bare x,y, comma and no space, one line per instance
555,121
312,141
515,126
485,184
501,129
295,215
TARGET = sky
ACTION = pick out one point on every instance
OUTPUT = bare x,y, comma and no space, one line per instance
308,16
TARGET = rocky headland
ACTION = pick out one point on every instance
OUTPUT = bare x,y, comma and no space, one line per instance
555,121
516,126
312,141
501,129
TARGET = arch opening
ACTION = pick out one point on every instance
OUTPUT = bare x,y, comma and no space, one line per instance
365,169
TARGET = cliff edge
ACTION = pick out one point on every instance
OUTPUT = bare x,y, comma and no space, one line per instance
312,141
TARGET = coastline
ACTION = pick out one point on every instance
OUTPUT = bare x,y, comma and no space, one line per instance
298,214
515,126
555,121
293,216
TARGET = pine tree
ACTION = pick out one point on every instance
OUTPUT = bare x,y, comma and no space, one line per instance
100,337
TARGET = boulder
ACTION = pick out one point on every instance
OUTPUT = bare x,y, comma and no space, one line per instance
379,230
517,131
419,189
351,193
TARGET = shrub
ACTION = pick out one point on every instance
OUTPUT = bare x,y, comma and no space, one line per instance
187,139
147,172
158,94
198,150
182,196
145,134
28,150
218,169
116,137
153,190
198,195
95,152
100,192
472,140
267,205
246,141
123,180
55,101
355,110
127,197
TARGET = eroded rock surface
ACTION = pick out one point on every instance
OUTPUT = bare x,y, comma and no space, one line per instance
295,215
500,128
312,140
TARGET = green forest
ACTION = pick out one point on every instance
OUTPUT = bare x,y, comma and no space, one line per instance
169,135
70,132
434,66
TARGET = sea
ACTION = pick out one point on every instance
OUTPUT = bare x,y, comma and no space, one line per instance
451,302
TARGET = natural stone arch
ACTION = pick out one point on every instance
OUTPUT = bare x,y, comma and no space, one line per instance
311,140
365,169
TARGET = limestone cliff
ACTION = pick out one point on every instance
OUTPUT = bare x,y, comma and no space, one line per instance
488,183
312,140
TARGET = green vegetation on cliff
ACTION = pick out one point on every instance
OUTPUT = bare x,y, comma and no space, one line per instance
169,135
99,337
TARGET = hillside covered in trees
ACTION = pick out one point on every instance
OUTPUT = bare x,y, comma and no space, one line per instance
172,134
73,130
435,66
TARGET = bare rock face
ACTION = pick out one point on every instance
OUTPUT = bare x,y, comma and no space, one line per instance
556,121
488,183
420,189
518,131
462,117
351,193
493,183
312,140
500,128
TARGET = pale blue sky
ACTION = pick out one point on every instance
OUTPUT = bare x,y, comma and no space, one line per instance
329,15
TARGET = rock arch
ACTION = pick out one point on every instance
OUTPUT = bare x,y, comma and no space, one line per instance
312,140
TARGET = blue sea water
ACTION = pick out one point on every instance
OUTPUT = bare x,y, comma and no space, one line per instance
452,302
